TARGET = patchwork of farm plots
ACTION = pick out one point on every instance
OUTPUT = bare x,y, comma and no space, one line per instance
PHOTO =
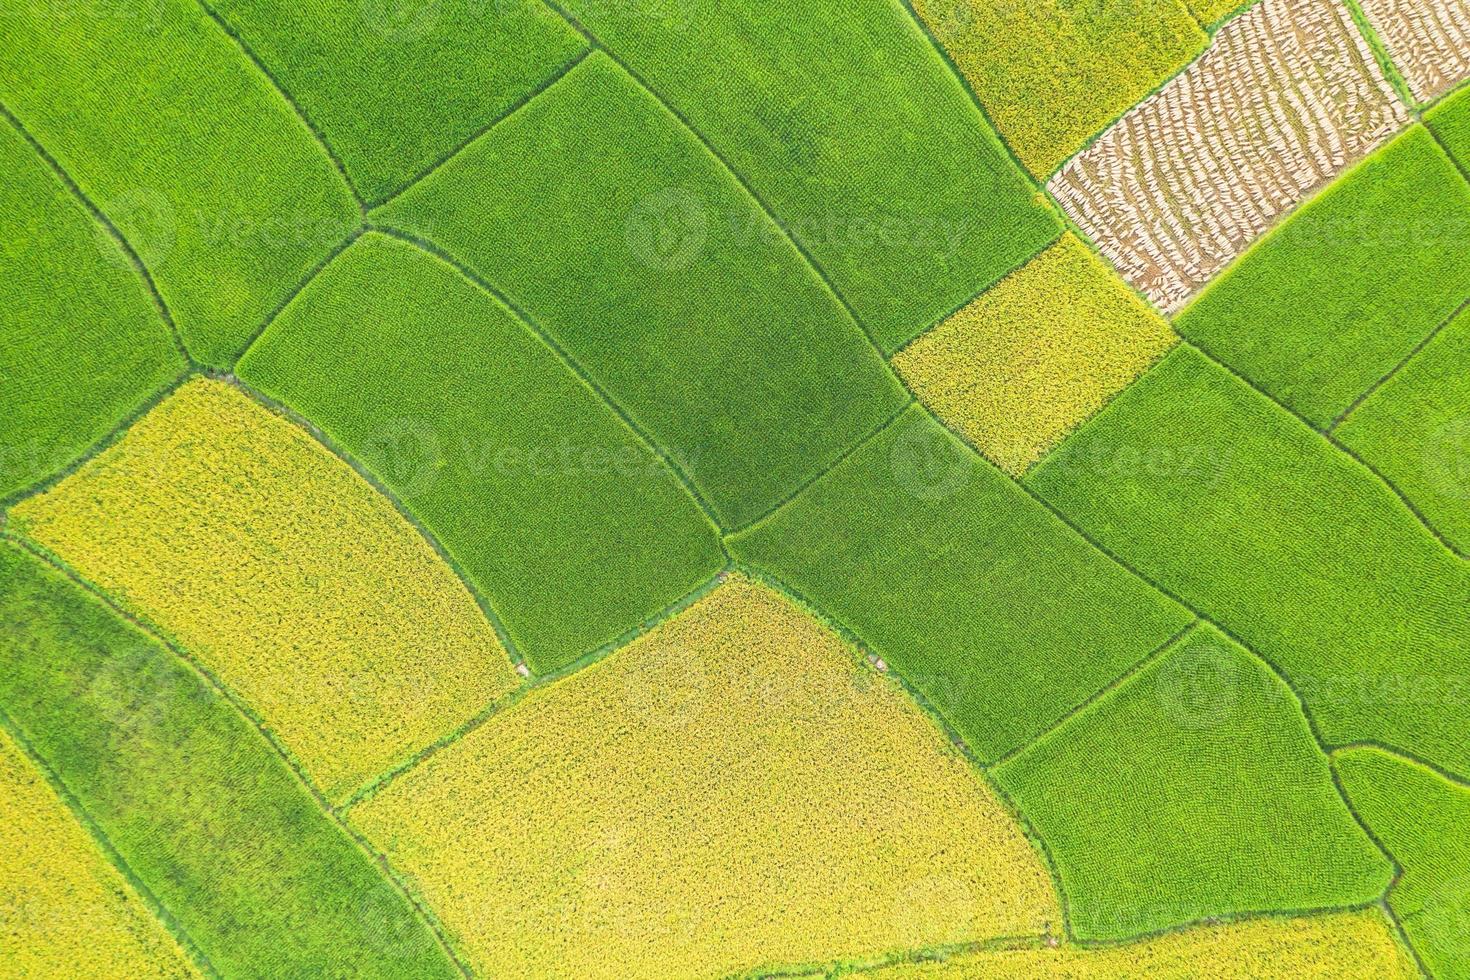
550,488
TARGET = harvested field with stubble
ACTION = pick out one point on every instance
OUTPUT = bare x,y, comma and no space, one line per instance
722,491
1285,99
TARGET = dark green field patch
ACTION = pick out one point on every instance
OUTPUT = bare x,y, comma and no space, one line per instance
396,86
1001,616
1415,430
597,213
1194,789
84,344
1332,299
1421,819
844,118
192,796
1223,498
569,523
217,185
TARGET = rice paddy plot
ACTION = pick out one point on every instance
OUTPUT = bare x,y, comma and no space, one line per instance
286,574
998,614
131,104
1041,351
1332,299
844,118
1415,430
1420,817
1429,41
1051,74
205,813
1222,497
690,309
571,526
84,345
1193,790
1329,946
64,909
1286,98
395,87
733,790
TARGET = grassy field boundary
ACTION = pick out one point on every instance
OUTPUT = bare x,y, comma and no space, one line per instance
108,439
333,815
526,320
112,230
454,151
290,100
720,158
1383,56
486,607
382,780
1326,434
104,844
299,288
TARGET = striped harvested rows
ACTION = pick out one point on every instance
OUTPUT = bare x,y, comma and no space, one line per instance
1286,98
1429,41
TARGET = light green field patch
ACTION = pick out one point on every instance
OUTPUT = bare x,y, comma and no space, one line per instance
395,86
568,523
1420,817
192,796
83,344
1331,300
187,148
1040,352
1053,73
595,211
1222,497
1194,789
843,117
1001,616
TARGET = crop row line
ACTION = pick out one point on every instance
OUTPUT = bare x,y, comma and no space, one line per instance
290,99
112,230
151,630
104,843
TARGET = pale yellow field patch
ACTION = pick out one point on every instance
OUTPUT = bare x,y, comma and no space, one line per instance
1287,97
1036,355
732,789
1344,946
65,911
1429,41
286,574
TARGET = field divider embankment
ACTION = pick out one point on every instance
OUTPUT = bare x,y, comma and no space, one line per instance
333,813
290,100
546,84
373,786
160,911
112,230
530,323
1332,441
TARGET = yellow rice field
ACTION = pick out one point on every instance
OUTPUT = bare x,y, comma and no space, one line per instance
286,574
734,788
1345,946
1035,356
65,911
